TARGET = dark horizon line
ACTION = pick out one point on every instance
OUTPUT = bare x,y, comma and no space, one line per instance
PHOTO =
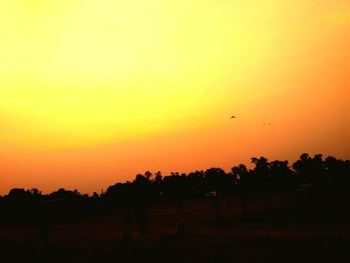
151,175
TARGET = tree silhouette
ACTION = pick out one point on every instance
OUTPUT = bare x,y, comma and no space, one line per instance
143,193
328,179
281,177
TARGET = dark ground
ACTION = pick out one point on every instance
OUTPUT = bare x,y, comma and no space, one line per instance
272,229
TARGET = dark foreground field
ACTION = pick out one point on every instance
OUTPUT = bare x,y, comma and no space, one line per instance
259,229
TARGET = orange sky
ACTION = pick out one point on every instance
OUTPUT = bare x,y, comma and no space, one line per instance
93,92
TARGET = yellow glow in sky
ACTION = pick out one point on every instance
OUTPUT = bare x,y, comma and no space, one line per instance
76,74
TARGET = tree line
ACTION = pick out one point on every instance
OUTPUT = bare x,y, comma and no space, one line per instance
315,173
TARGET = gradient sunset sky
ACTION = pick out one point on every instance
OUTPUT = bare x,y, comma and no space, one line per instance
93,92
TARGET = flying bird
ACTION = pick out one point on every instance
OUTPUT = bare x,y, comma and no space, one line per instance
233,117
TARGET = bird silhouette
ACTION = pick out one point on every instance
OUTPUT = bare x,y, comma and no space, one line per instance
233,117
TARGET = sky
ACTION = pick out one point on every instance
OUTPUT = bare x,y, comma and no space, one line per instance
94,92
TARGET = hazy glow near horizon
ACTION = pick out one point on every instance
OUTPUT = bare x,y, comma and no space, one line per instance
93,89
